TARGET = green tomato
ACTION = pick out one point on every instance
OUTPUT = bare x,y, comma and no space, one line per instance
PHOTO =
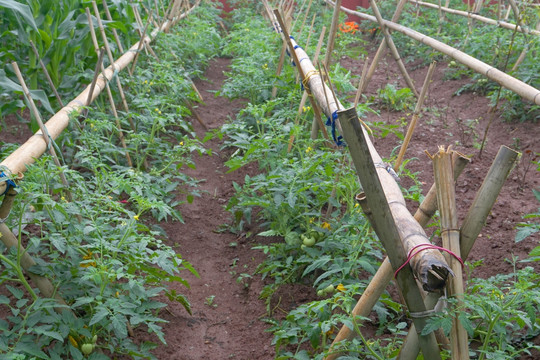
320,293
94,339
329,289
309,241
87,348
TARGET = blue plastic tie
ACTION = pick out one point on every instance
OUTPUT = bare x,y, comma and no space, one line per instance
332,122
9,183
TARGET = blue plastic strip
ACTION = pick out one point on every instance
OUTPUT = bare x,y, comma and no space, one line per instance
9,183
332,122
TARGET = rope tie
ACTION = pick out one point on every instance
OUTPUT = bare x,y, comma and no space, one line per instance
307,77
331,121
422,247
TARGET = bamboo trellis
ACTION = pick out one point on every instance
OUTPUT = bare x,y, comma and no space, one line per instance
501,23
379,203
519,87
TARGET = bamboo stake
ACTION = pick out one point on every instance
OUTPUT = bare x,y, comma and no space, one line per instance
115,33
305,17
446,199
305,94
483,19
472,225
389,235
139,19
111,60
393,49
523,54
382,47
332,33
361,83
299,11
141,44
416,115
43,129
289,41
47,76
107,87
486,197
383,276
522,89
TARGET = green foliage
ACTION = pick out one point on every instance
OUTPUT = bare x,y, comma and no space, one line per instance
529,228
500,313
394,99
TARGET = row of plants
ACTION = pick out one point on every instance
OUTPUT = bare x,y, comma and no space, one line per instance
303,200
104,250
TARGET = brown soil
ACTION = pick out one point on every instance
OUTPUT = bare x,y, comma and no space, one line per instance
226,321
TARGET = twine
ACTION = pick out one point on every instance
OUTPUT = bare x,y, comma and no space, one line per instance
423,247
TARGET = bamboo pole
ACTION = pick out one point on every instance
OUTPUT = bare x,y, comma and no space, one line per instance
471,227
332,34
387,226
47,76
416,115
446,199
115,33
299,12
305,17
486,197
519,87
382,47
480,18
305,94
111,60
293,48
43,129
393,49
361,83
383,276
140,22
107,87
141,44
523,53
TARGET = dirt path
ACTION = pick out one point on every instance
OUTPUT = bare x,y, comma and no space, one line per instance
225,322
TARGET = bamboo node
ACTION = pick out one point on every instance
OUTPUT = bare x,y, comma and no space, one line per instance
421,247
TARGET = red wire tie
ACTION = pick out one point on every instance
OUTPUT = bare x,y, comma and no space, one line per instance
426,247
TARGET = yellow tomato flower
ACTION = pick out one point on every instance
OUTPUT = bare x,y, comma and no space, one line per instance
136,217
306,108
146,81
181,143
309,149
325,225
341,288
265,66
